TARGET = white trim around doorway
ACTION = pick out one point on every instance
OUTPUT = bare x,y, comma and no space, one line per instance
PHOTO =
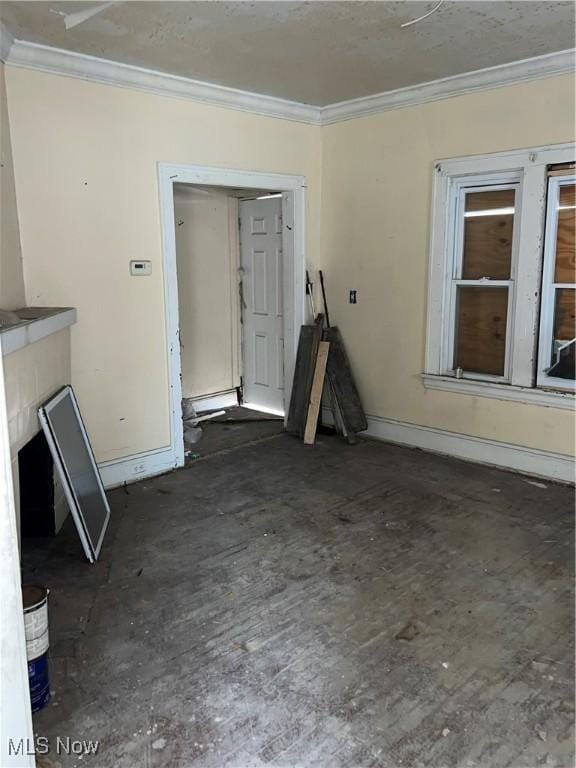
293,190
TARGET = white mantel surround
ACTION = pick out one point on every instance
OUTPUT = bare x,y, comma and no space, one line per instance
36,360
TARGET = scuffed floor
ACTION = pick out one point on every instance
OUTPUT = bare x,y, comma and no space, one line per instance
327,607
237,427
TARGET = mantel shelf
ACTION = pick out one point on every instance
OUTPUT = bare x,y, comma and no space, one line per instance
36,323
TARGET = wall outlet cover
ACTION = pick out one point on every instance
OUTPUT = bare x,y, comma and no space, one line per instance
140,268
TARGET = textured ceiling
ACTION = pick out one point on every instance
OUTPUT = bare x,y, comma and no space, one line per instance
312,52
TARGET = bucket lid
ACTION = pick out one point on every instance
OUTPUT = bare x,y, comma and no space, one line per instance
32,595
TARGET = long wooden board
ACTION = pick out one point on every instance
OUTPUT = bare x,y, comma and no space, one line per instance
308,343
342,381
316,392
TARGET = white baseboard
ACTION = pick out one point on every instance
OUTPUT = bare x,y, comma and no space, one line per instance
133,468
215,402
529,461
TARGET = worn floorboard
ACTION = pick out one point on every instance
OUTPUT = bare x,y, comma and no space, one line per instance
245,613
236,428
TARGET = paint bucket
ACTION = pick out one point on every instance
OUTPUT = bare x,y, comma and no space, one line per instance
39,682
35,602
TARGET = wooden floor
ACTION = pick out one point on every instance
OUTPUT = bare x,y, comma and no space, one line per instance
327,607
237,427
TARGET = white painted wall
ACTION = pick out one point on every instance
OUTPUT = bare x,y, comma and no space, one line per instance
207,259
376,201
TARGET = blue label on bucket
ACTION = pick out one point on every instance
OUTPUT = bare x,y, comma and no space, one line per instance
39,682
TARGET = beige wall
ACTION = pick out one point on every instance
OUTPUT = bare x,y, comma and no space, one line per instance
86,179
11,277
207,256
376,190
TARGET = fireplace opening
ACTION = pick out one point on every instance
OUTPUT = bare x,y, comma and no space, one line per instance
43,505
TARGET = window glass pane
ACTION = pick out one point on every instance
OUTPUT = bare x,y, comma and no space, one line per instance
565,271
563,346
480,344
488,226
564,314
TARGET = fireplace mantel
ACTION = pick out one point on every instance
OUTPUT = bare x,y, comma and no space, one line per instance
36,360
35,323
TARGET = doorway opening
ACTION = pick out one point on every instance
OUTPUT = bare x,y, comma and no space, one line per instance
234,274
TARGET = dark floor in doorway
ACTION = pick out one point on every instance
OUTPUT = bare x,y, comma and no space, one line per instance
239,426
249,611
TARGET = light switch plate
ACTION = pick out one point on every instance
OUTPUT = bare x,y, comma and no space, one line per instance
140,267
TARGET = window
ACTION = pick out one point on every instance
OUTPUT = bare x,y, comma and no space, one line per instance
502,288
483,281
557,326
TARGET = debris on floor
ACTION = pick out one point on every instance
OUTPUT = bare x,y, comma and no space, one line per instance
536,484
191,420
223,430
322,370
192,435
409,632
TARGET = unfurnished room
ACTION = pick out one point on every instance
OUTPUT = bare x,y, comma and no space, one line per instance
287,385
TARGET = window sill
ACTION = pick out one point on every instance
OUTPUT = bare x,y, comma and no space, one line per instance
543,397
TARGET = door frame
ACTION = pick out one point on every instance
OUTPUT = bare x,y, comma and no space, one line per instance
293,188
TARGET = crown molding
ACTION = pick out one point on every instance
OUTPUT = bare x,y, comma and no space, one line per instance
560,63
69,63
43,58
6,42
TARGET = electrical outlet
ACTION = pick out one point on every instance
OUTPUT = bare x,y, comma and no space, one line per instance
137,469
140,267
353,297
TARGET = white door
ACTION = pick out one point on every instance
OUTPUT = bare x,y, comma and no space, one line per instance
262,311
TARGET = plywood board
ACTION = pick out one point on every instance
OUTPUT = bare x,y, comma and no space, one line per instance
565,315
310,337
565,271
481,330
342,381
488,237
316,392
488,247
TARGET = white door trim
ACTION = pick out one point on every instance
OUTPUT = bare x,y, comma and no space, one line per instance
294,246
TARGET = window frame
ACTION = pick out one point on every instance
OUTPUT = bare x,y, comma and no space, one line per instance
460,187
530,168
549,286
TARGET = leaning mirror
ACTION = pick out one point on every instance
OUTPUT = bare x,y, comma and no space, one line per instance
73,457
